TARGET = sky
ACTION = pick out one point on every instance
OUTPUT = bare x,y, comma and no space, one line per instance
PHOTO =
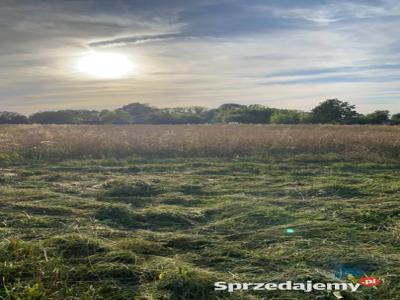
278,53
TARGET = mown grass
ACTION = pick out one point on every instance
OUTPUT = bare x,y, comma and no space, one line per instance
162,212
167,228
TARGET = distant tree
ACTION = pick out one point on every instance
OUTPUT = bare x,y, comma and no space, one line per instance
252,114
182,115
115,117
333,111
231,106
395,120
140,113
87,117
66,117
358,119
54,117
378,117
12,118
162,117
285,117
305,117
210,116
192,110
330,111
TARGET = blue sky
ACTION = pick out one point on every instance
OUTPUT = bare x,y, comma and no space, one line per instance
279,53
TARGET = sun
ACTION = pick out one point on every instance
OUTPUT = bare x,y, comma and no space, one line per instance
106,65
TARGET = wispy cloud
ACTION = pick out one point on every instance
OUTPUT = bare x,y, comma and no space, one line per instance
325,12
135,40
278,53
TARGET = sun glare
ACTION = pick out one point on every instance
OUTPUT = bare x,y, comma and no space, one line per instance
105,65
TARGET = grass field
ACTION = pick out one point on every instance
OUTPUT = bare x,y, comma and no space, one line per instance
162,212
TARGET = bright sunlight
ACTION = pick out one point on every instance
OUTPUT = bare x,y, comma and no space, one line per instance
105,65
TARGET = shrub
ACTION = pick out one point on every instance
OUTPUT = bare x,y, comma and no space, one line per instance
285,117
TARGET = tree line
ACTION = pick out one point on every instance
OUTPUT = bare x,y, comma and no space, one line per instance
331,111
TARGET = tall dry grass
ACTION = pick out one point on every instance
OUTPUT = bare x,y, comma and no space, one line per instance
74,141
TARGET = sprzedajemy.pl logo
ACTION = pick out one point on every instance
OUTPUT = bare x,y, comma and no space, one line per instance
307,287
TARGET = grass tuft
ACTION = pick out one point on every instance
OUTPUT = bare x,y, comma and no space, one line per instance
75,246
125,188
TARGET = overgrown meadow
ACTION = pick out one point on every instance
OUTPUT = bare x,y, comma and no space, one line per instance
162,212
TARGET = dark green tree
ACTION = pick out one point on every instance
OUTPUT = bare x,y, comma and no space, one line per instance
333,111
54,117
236,113
7,117
141,113
378,117
115,117
184,115
285,117
66,117
395,120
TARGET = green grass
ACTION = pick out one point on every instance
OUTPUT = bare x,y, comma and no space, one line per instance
153,228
